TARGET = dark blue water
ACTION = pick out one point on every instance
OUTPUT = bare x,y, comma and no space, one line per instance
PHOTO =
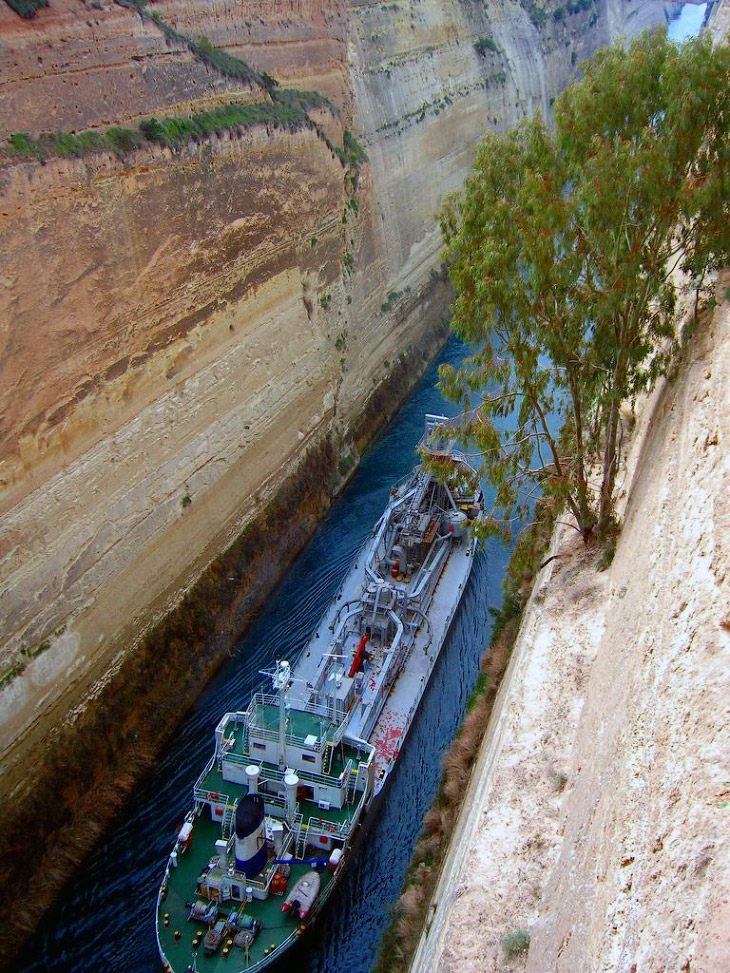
106,920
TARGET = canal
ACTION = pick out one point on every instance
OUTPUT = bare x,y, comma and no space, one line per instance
105,922
106,919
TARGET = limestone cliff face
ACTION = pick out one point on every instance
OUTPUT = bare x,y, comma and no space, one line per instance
178,326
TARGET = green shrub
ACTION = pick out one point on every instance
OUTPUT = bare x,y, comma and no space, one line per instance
484,45
345,464
536,14
91,142
354,152
23,146
388,304
516,942
63,144
123,140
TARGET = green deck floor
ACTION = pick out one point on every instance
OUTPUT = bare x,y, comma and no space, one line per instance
181,888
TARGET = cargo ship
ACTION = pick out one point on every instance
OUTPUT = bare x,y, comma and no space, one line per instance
276,809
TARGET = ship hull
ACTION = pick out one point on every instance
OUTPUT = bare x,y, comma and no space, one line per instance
324,762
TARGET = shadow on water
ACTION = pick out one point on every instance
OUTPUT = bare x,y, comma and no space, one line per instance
106,919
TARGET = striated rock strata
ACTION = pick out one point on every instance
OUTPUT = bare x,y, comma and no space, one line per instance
178,326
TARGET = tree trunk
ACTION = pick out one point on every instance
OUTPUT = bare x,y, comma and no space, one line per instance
610,462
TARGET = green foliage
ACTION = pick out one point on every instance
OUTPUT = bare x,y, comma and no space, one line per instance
27,9
484,45
479,686
516,942
562,250
536,14
290,106
62,144
49,145
172,132
91,141
186,501
11,673
510,608
123,140
354,152
325,301
345,464
392,300
23,146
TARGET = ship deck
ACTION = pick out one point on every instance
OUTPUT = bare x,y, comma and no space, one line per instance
405,695
279,929
214,782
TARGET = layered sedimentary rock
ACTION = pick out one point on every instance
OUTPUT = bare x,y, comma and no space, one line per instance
179,325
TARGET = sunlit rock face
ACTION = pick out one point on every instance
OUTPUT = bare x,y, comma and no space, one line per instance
177,326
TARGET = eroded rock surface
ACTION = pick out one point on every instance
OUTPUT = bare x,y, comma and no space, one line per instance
597,817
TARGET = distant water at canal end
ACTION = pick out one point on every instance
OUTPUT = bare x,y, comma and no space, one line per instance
106,920
688,22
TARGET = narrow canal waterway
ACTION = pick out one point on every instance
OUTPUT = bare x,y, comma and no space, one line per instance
106,920
105,923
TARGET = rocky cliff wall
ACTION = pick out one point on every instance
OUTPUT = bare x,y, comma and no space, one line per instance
179,325
594,832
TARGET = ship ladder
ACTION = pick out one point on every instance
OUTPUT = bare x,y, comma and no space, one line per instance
414,506
301,833
327,760
352,786
228,819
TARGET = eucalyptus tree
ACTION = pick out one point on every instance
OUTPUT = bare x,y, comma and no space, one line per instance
567,251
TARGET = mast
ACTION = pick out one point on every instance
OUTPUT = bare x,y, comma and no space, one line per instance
281,680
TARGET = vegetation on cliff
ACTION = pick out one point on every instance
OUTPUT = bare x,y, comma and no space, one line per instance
284,108
564,250
288,112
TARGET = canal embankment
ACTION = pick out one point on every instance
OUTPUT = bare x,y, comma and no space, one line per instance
593,834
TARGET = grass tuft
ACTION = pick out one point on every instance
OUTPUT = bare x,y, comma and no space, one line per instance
516,942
